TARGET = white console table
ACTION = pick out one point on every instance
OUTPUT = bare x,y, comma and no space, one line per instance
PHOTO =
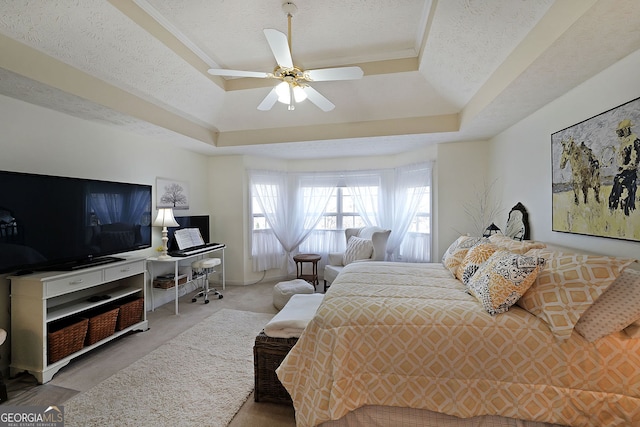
186,261
41,298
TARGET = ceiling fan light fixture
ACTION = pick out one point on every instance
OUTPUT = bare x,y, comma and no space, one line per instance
284,93
299,94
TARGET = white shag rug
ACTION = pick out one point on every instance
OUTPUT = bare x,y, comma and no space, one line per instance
200,378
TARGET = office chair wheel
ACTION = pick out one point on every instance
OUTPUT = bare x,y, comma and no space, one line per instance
206,301
193,300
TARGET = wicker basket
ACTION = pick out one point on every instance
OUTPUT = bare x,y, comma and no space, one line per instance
66,337
130,313
101,325
268,353
168,283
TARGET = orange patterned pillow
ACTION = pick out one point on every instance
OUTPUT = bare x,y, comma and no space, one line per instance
503,279
473,259
457,251
568,286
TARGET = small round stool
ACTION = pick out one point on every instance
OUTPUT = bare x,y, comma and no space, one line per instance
204,267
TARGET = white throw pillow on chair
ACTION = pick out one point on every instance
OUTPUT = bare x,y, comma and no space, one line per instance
357,249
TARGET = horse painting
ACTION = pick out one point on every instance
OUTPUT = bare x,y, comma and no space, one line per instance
585,169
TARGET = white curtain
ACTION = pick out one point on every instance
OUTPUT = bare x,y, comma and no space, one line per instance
292,204
366,192
269,189
412,184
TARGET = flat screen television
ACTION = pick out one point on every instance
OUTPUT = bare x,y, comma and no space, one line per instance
58,223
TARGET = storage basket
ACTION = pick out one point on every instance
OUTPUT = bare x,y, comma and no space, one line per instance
101,325
131,311
66,337
268,353
168,281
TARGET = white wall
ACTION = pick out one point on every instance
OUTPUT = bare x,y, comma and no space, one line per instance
461,171
38,140
521,156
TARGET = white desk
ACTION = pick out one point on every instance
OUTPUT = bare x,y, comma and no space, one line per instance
176,262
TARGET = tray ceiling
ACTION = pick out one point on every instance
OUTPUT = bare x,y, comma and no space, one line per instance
435,70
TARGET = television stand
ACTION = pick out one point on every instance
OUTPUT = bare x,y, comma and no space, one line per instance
42,301
85,263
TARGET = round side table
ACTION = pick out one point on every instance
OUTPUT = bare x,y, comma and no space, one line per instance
300,259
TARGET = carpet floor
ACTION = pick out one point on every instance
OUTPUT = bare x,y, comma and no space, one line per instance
201,377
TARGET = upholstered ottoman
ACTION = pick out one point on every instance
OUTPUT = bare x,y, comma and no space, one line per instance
283,291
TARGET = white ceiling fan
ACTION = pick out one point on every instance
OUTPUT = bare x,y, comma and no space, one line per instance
294,86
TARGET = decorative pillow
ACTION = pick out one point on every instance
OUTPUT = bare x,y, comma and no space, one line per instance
516,246
503,279
473,259
569,286
457,251
357,248
617,308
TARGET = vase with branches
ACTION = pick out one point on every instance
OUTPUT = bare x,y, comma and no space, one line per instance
484,208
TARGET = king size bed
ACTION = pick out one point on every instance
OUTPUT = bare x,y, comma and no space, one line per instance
411,344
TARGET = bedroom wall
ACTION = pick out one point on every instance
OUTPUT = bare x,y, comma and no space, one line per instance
38,140
521,156
461,172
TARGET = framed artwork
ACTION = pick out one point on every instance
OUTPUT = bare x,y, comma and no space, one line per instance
171,193
594,166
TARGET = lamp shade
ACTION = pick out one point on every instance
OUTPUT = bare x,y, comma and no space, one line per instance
165,218
492,229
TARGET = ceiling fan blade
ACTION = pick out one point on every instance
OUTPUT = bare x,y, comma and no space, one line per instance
317,98
279,46
340,73
237,73
268,101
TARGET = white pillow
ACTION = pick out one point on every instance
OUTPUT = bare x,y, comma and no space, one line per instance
357,248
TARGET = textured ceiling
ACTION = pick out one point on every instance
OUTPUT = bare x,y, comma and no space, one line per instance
435,71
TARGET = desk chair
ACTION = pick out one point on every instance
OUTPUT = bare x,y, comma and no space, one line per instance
203,268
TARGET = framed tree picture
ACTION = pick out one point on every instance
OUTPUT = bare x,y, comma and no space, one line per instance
594,167
171,193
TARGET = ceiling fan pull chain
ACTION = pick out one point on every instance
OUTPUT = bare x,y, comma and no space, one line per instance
292,105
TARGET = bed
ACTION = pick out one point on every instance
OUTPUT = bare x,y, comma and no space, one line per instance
407,344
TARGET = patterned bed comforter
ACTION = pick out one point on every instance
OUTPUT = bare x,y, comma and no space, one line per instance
408,335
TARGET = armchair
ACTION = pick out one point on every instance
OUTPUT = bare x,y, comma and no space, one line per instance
357,250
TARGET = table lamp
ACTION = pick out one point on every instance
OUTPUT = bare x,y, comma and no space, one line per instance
492,229
165,219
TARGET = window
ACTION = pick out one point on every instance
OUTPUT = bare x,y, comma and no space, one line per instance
308,212
341,212
422,220
259,219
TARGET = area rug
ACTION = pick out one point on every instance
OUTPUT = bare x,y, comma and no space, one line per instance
200,378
